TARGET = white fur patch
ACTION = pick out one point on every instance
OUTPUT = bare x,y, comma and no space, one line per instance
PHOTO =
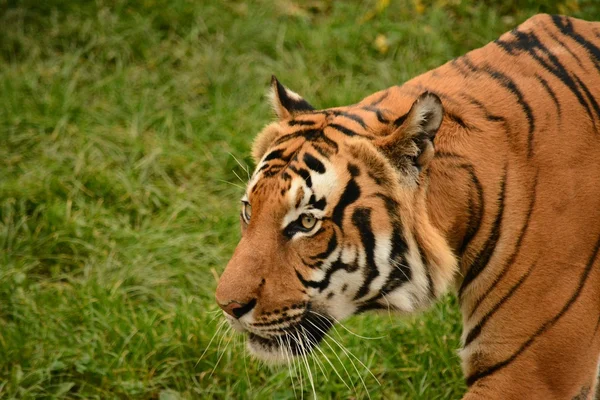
323,185
415,293
383,249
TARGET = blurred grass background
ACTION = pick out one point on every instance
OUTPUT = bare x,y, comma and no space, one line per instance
121,126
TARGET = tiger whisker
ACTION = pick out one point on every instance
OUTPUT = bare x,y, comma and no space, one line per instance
389,306
244,339
347,354
285,348
306,364
239,177
243,167
333,366
315,359
397,265
231,183
229,330
219,327
342,364
294,363
298,363
349,331
350,353
335,353
215,317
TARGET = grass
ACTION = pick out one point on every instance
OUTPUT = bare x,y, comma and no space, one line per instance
121,127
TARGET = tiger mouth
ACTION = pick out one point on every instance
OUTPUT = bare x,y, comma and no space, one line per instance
294,341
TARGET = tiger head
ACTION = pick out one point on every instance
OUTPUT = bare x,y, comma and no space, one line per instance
334,223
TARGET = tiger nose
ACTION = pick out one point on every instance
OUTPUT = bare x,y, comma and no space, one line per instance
236,309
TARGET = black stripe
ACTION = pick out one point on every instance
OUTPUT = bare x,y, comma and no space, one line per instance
589,96
458,120
343,129
420,89
309,283
583,394
475,208
430,286
296,122
400,120
331,246
321,150
489,116
530,44
353,117
547,325
597,326
350,195
303,173
550,92
308,134
361,218
320,204
346,131
476,331
275,154
377,112
512,87
380,177
511,259
485,254
564,46
311,135
566,28
461,70
314,163
324,283
263,167
401,272
353,169
380,99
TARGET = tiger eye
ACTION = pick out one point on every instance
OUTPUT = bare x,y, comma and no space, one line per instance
308,221
247,211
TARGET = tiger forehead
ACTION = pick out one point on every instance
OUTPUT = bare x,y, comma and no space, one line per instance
283,165
313,119
353,115
309,142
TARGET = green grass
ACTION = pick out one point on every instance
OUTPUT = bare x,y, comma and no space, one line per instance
120,126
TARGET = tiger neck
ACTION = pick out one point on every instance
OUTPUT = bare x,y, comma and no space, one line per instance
452,202
453,198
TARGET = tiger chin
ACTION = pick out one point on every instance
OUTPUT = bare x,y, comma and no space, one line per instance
463,178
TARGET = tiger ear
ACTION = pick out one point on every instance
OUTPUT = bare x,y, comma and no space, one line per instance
410,145
286,103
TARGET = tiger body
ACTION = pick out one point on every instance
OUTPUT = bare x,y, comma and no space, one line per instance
497,196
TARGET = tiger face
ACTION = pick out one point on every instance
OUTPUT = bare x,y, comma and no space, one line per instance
331,226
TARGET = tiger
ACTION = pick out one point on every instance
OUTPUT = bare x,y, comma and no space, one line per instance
480,177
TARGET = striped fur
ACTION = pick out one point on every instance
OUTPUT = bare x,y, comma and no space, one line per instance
482,175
